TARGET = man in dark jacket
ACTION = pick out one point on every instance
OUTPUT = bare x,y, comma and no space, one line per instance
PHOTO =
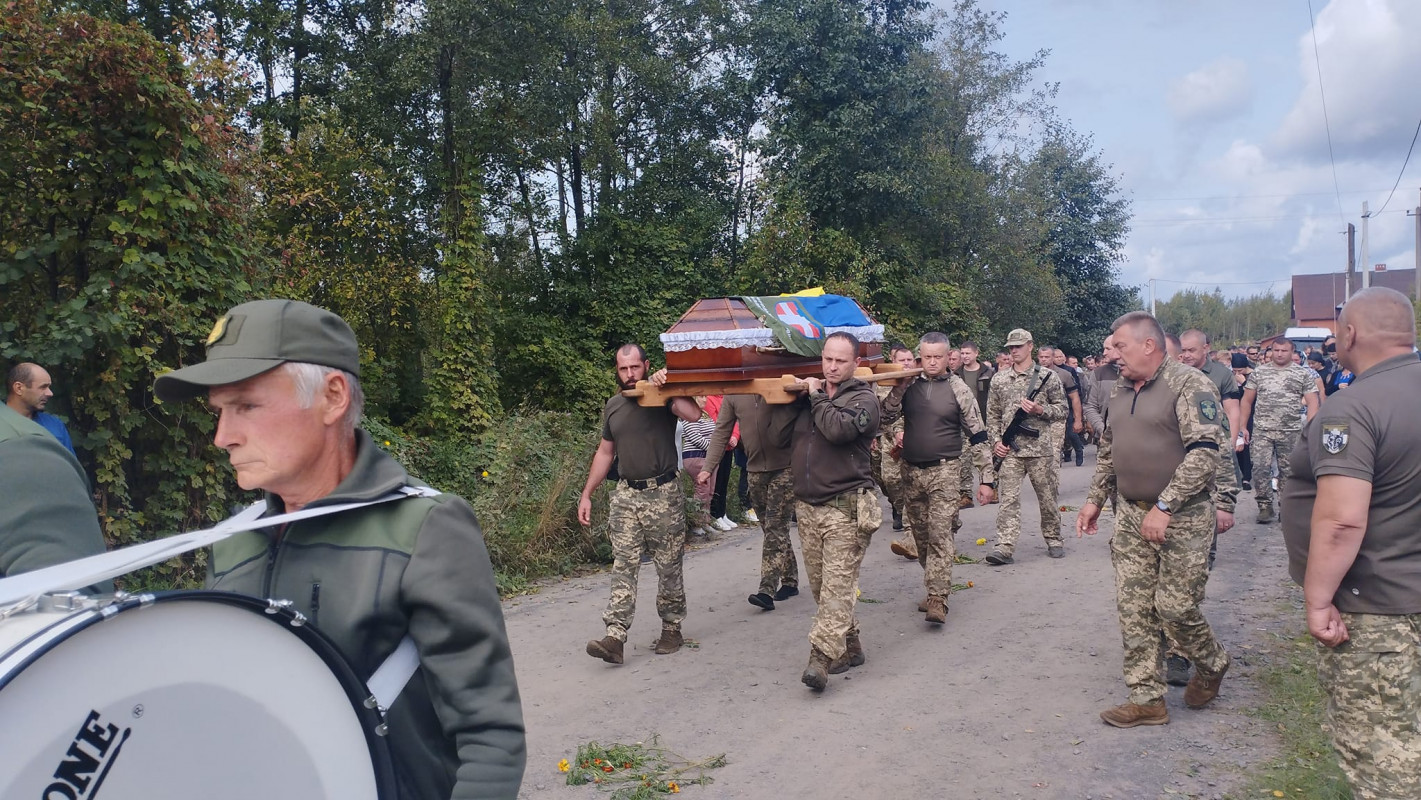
837,507
282,377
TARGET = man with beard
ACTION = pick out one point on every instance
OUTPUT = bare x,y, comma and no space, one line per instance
838,510
646,509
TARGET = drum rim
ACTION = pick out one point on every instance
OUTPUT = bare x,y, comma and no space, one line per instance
370,719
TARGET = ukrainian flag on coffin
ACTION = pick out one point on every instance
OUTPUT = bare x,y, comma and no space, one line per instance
801,324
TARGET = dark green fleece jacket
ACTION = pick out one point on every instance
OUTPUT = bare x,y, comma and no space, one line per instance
368,577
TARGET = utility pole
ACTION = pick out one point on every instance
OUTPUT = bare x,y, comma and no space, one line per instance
1366,256
1417,215
1351,262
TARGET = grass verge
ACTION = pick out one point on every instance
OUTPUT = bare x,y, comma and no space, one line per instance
1295,705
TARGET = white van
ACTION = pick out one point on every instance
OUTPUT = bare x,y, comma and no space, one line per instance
1303,337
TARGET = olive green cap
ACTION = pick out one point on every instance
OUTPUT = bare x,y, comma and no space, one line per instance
1018,336
260,336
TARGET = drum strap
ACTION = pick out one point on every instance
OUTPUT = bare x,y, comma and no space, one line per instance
392,675
24,588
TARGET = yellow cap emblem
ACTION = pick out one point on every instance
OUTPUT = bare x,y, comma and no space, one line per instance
218,331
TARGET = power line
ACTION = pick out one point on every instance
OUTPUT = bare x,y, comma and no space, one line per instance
1155,223
1238,196
1216,283
1403,166
1327,125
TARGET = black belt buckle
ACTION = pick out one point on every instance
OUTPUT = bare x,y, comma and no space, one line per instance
652,483
927,464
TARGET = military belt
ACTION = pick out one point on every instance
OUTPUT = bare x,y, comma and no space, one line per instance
846,502
651,483
928,464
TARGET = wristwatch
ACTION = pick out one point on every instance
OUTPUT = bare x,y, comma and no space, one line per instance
1163,506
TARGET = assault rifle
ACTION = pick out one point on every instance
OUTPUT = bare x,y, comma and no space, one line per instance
1018,426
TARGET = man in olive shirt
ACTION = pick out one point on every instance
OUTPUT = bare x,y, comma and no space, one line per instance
1064,431
646,508
837,509
765,431
1161,454
978,377
47,517
940,423
1353,531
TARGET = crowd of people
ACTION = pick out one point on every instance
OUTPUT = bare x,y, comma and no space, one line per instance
1180,430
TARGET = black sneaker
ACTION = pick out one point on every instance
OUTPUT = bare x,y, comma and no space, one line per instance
1248,486
897,520
763,601
997,559
786,591
1176,672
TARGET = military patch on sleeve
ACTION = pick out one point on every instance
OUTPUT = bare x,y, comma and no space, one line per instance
1208,407
1334,437
861,421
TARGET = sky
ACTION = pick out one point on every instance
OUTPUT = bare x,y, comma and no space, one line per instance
1211,115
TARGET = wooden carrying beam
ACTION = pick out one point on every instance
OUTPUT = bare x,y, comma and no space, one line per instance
782,390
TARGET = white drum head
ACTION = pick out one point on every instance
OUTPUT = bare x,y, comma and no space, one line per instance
182,699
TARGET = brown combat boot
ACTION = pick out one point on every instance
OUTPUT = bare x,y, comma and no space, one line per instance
908,550
670,641
936,609
853,655
816,675
1265,513
965,500
1131,715
922,605
1203,687
608,648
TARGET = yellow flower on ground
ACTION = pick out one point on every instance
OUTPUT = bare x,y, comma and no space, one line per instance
969,584
981,541
563,766
387,442
485,473
671,785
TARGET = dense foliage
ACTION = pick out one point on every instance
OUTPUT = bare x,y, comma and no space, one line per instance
496,194
1228,321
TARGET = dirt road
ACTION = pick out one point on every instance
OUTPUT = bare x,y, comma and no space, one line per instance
1000,702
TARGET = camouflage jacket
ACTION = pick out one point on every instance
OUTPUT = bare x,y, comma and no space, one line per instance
1280,393
1008,389
1197,415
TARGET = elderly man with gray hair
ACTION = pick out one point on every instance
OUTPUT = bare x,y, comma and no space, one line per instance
282,377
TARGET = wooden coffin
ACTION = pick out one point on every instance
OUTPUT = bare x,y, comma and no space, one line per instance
745,362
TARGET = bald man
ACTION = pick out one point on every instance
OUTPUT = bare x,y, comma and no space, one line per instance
28,390
1353,531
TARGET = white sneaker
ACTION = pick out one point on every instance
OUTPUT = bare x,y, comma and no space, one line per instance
698,531
725,524
751,516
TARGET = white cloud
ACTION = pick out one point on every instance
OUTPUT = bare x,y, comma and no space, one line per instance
1369,59
1215,92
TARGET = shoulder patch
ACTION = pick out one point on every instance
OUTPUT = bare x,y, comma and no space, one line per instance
1334,437
861,421
1208,407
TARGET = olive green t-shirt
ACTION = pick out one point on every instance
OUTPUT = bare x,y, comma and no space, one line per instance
1370,432
644,437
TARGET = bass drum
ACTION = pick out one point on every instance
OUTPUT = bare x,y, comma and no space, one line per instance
181,695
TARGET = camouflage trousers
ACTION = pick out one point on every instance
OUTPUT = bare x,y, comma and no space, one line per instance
932,506
1267,448
888,474
773,494
967,482
1045,475
1373,686
833,553
1159,587
654,519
